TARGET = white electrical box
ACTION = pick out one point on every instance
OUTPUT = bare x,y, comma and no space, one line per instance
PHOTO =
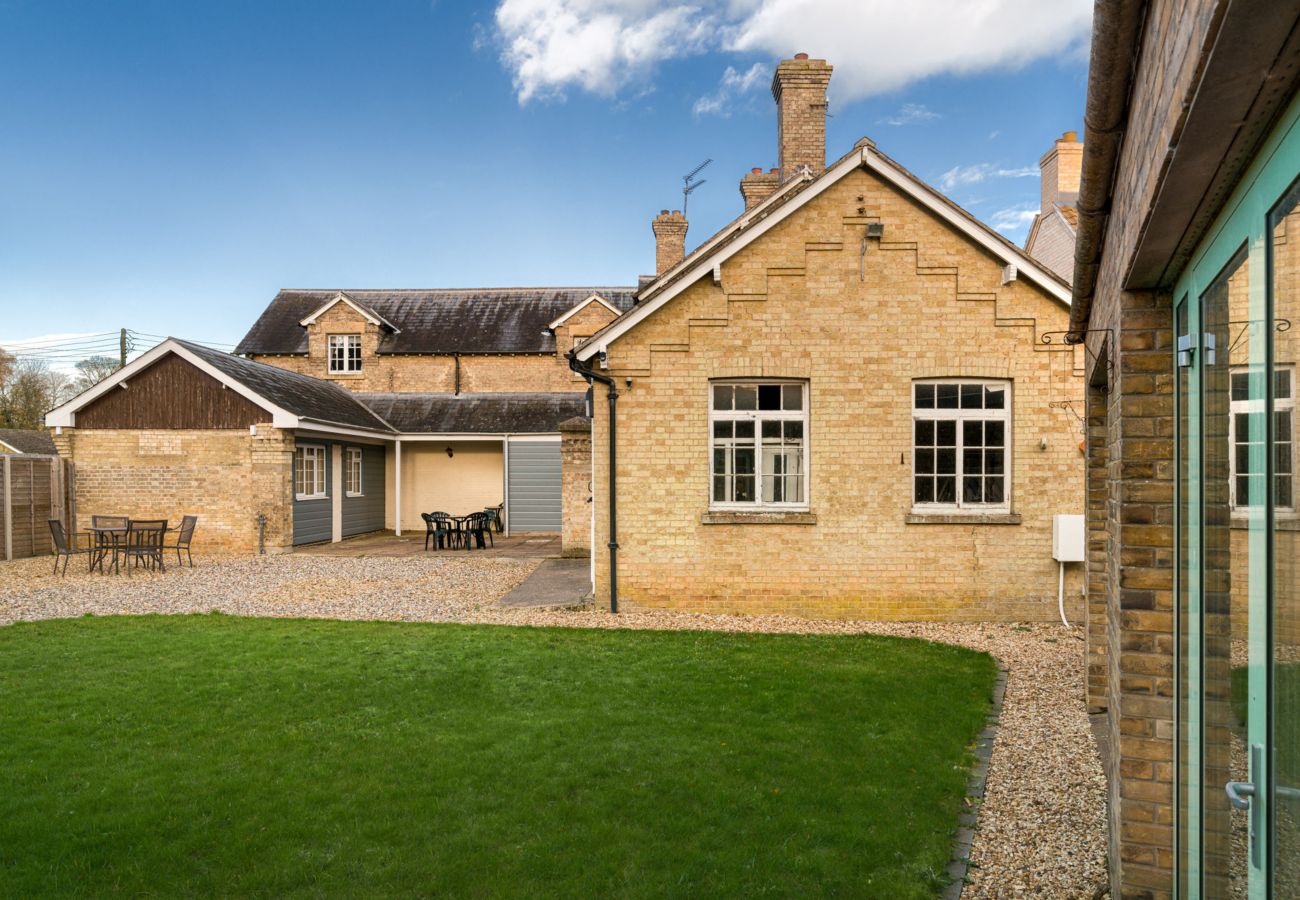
1068,544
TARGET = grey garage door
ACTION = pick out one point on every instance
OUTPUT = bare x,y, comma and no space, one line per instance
534,486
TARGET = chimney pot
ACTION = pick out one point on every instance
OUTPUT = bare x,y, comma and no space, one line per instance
1070,136
801,56
663,212
757,170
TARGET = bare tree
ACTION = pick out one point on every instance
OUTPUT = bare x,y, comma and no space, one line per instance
92,370
29,391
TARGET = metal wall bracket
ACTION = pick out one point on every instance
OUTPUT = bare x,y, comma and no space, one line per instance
1081,337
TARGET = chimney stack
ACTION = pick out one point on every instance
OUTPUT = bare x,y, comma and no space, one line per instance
799,88
1060,170
758,185
670,239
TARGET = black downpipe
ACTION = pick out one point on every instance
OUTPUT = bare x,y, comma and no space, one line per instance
591,376
457,357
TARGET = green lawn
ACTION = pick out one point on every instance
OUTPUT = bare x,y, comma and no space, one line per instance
168,756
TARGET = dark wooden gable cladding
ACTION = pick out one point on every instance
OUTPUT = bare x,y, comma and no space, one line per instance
171,394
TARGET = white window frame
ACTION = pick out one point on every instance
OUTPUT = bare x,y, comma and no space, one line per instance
348,355
352,472
961,416
1256,406
758,417
301,453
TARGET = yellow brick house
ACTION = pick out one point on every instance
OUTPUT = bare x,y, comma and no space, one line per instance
854,400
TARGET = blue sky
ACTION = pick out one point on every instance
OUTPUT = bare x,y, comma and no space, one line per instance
167,166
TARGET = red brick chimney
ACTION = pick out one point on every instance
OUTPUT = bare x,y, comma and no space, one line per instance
670,239
799,88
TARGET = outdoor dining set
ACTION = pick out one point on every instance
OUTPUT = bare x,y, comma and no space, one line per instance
114,543
446,531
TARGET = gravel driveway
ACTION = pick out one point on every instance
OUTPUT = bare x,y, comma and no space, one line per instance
1041,829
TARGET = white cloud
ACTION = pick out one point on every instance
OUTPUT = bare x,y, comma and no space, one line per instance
733,85
1014,220
601,45
596,45
959,176
910,114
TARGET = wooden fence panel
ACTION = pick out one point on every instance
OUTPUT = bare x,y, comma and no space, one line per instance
33,490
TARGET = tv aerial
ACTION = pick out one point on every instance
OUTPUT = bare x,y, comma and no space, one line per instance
689,183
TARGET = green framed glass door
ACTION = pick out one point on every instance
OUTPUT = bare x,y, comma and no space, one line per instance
1237,572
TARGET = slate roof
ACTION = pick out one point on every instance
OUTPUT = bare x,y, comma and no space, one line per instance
28,440
515,413
447,320
302,395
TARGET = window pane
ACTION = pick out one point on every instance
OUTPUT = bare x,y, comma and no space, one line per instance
1241,386
925,462
993,490
745,430
1281,385
972,490
1282,425
746,397
995,434
744,489
743,461
924,433
945,489
945,461
972,434
772,431
1282,459
720,461
995,397
794,431
1241,426
946,433
946,396
1282,494
1243,458
769,396
722,396
972,396
794,488
720,489
792,396
722,430
993,462
924,492
972,462
1243,490
925,396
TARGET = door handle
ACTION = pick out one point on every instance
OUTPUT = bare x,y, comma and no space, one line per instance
1240,793
1244,795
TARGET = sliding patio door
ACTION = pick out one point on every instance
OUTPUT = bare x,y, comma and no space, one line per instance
1237,609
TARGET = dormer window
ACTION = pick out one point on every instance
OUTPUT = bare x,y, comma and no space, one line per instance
345,353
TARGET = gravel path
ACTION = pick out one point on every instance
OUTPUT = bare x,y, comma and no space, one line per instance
1042,826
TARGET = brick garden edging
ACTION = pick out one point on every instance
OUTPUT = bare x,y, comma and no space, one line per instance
965,833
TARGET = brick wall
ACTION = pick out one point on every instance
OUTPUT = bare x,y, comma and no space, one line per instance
1136,411
224,477
478,373
928,304
575,464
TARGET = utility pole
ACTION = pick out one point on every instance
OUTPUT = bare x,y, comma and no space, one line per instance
121,348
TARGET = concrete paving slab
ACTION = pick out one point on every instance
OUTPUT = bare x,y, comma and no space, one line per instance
556,582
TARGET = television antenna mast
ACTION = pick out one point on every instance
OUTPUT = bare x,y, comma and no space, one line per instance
689,183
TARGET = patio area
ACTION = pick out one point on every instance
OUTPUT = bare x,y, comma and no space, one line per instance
386,544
